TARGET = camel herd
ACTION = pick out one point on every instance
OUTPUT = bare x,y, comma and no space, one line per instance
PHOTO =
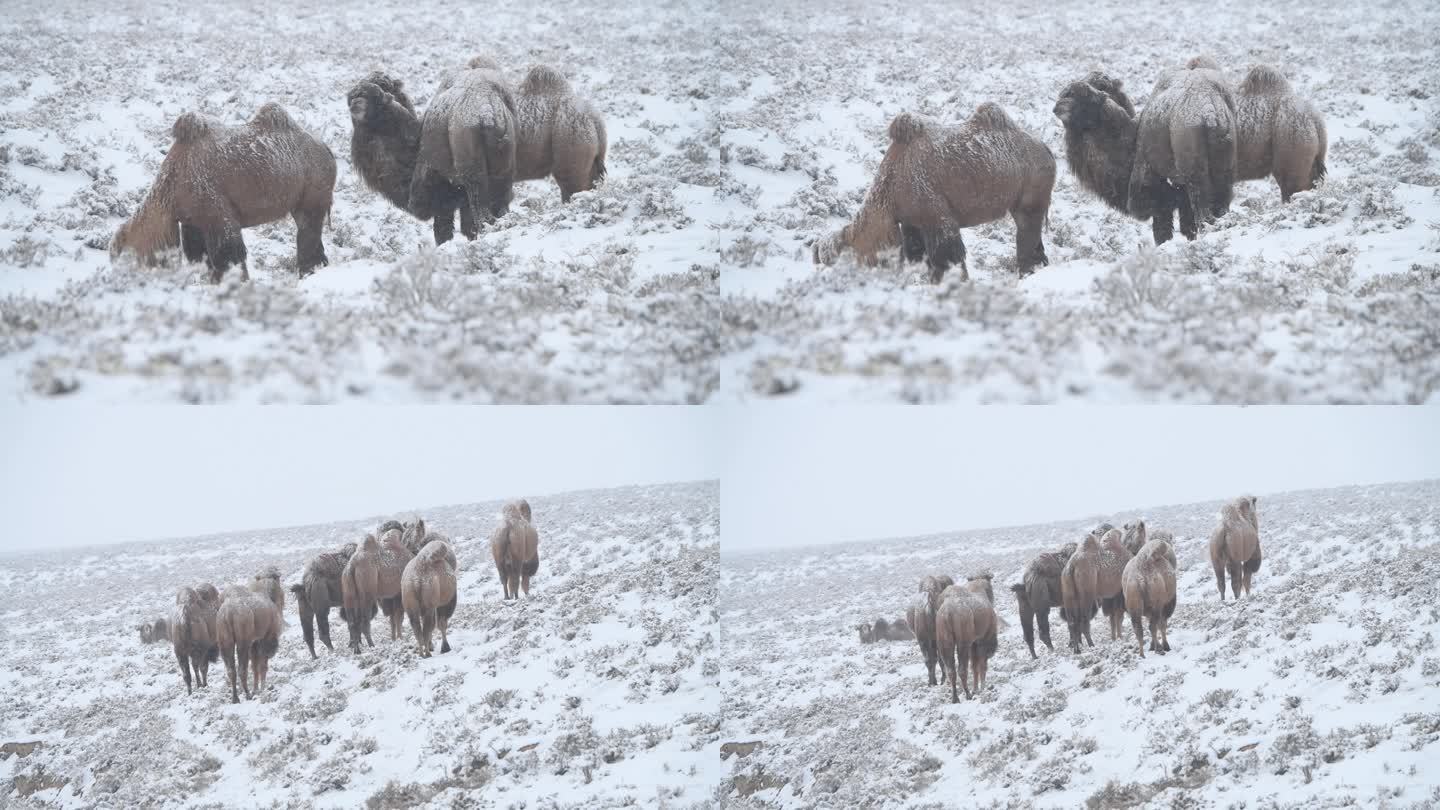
1112,571
1196,137
481,134
401,570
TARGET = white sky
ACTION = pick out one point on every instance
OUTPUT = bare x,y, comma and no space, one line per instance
87,475
796,476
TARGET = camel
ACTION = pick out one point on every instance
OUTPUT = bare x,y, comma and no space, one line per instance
193,632
249,629
935,180
1108,589
1235,545
920,615
1039,592
1079,586
515,547
966,631
1150,593
427,590
318,592
1134,536
217,180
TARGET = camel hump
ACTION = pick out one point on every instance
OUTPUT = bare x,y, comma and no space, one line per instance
1202,62
482,62
907,127
191,127
544,79
272,116
1264,79
991,116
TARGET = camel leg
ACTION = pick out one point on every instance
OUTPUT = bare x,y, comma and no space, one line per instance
184,669
962,651
192,241
912,244
443,225
1162,224
525,584
427,626
977,668
932,657
225,248
242,651
1165,633
1029,252
477,194
322,620
1139,633
1042,619
576,177
443,619
468,226
1190,215
309,249
1236,573
944,247
1027,624
1085,628
228,653
415,626
307,622
197,663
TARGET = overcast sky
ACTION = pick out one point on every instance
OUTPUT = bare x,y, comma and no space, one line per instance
796,476
80,476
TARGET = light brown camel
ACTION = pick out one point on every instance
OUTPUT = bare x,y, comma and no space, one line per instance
920,615
428,592
249,630
1039,592
966,631
1150,593
515,547
1235,545
1079,586
193,632
1108,588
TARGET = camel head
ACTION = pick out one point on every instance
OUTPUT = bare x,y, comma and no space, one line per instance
1080,105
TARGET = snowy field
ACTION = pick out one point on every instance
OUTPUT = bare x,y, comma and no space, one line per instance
602,687
612,298
1322,689
1335,297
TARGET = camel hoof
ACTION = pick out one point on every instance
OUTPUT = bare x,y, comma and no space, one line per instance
444,648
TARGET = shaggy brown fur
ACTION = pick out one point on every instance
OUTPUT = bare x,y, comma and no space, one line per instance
515,547
1108,589
1235,545
193,632
1149,584
560,134
1279,134
158,630
1179,154
935,180
1079,586
414,537
394,556
427,590
920,615
217,180
966,631
1134,536
1187,137
1040,591
319,591
249,630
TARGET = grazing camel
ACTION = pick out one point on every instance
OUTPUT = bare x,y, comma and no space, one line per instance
1235,545
966,630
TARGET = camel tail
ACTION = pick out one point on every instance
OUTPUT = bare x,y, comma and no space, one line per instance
1317,170
1221,142
1253,564
597,170
213,654
267,646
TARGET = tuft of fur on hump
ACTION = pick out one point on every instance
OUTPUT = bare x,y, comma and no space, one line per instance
1264,79
192,127
906,127
1202,62
482,62
544,79
1111,87
393,86
272,116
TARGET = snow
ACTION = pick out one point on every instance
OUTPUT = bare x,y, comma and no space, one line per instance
1326,675
611,298
606,672
1267,306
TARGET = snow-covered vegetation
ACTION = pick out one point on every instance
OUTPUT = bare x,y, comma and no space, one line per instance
611,298
601,688
1321,689
1333,297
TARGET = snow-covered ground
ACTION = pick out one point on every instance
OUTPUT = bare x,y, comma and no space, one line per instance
612,298
1334,297
601,689
1322,689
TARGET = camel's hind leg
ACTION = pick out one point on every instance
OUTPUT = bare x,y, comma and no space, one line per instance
242,651
1027,623
1042,621
427,626
1237,573
1219,566
442,618
197,663
184,669
228,653
225,248
932,657
977,669
322,622
962,652
443,225
1139,632
415,628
